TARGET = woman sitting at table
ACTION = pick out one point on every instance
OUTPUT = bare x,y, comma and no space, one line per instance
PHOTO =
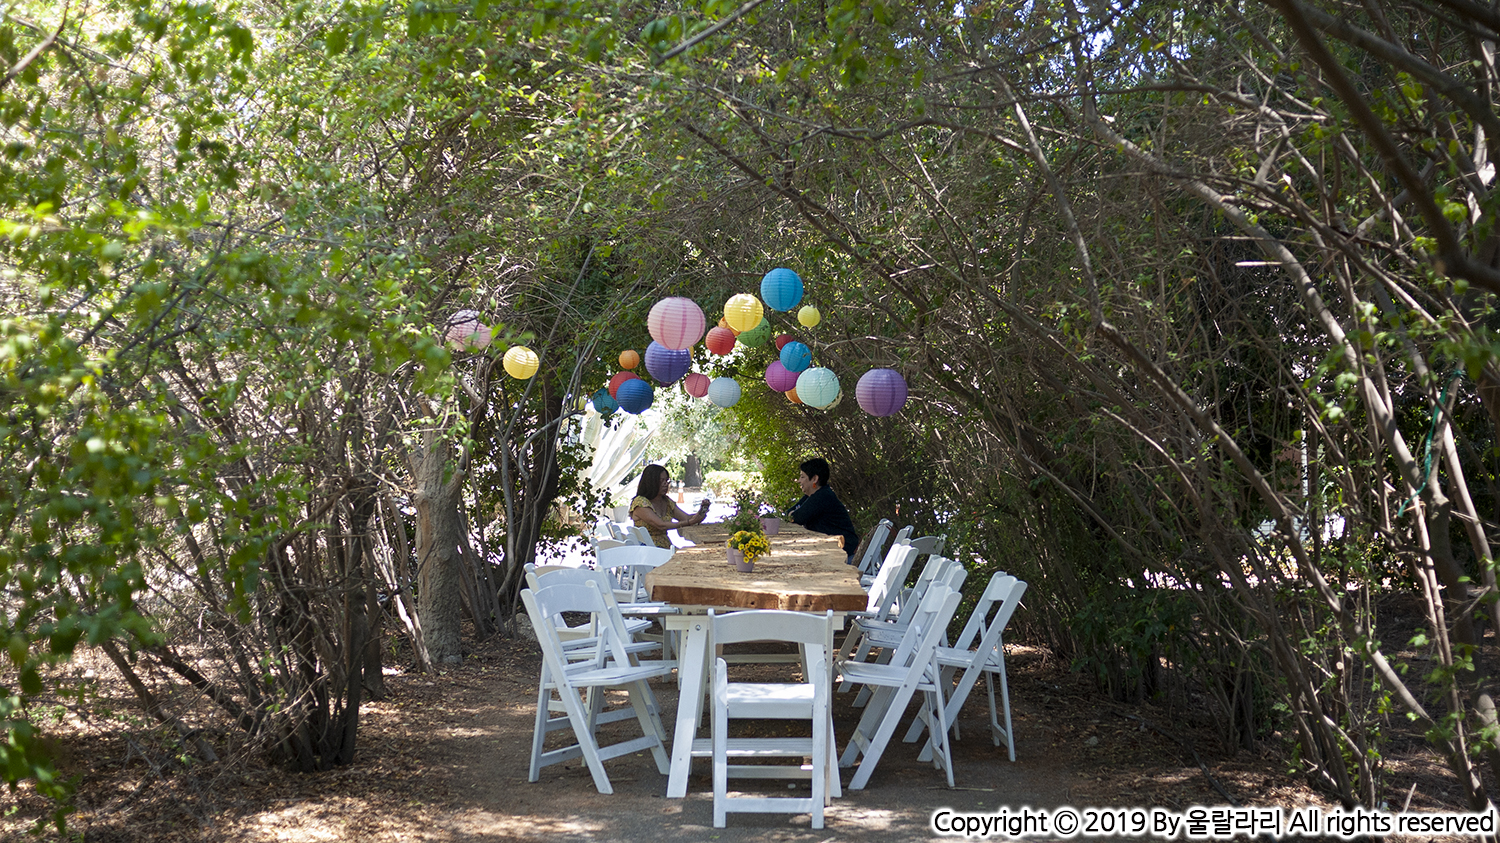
652,509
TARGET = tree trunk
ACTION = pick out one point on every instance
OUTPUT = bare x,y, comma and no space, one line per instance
439,537
692,473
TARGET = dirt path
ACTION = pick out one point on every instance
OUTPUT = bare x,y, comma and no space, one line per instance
443,759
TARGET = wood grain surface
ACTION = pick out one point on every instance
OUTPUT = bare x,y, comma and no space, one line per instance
804,572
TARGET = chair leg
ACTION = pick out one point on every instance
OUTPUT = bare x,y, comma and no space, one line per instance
539,731
820,742
721,764
582,722
643,702
877,743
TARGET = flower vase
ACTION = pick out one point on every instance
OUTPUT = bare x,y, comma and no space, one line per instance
736,557
743,566
771,525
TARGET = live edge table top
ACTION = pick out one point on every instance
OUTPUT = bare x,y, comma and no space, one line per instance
804,572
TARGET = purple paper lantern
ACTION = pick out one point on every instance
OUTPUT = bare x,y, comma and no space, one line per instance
796,356
881,392
677,323
667,365
779,377
635,396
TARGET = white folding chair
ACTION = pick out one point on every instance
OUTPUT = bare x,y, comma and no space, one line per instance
887,634
608,667
929,546
912,668
875,548
628,564
980,649
582,634
867,577
881,600
805,700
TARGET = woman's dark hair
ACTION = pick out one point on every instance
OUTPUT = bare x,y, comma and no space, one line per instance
650,485
817,468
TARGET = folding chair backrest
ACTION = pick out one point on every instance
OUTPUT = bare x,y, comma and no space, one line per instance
889,580
928,624
1007,608
626,565
995,592
546,604
803,628
937,569
875,549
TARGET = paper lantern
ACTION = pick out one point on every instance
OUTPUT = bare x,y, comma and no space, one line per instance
719,340
724,323
781,289
667,365
635,396
791,395
809,316
743,312
675,322
520,362
604,403
619,378
755,336
725,392
781,341
880,392
629,359
465,333
695,384
818,387
779,378
796,356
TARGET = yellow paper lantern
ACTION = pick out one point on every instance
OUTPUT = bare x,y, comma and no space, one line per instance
809,316
743,312
520,362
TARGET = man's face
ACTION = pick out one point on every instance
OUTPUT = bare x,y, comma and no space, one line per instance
808,484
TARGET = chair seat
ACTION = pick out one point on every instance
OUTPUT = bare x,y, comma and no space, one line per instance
883,675
954,657
617,675
775,701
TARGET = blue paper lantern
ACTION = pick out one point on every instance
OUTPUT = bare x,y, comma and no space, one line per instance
605,404
724,392
796,356
818,387
667,365
635,395
781,289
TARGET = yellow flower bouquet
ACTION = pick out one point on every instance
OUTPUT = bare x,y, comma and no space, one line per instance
753,544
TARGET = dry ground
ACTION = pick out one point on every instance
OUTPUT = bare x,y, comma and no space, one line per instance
443,758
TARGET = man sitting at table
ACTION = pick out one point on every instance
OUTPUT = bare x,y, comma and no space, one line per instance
820,510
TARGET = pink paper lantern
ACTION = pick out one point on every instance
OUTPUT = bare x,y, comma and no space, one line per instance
696,384
677,323
881,392
779,378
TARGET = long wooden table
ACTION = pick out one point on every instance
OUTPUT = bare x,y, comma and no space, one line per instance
805,572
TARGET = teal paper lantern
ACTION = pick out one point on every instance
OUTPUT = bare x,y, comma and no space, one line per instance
604,403
818,387
781,289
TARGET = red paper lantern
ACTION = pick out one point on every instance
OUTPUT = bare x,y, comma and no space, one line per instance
782,340
720,340
619,378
